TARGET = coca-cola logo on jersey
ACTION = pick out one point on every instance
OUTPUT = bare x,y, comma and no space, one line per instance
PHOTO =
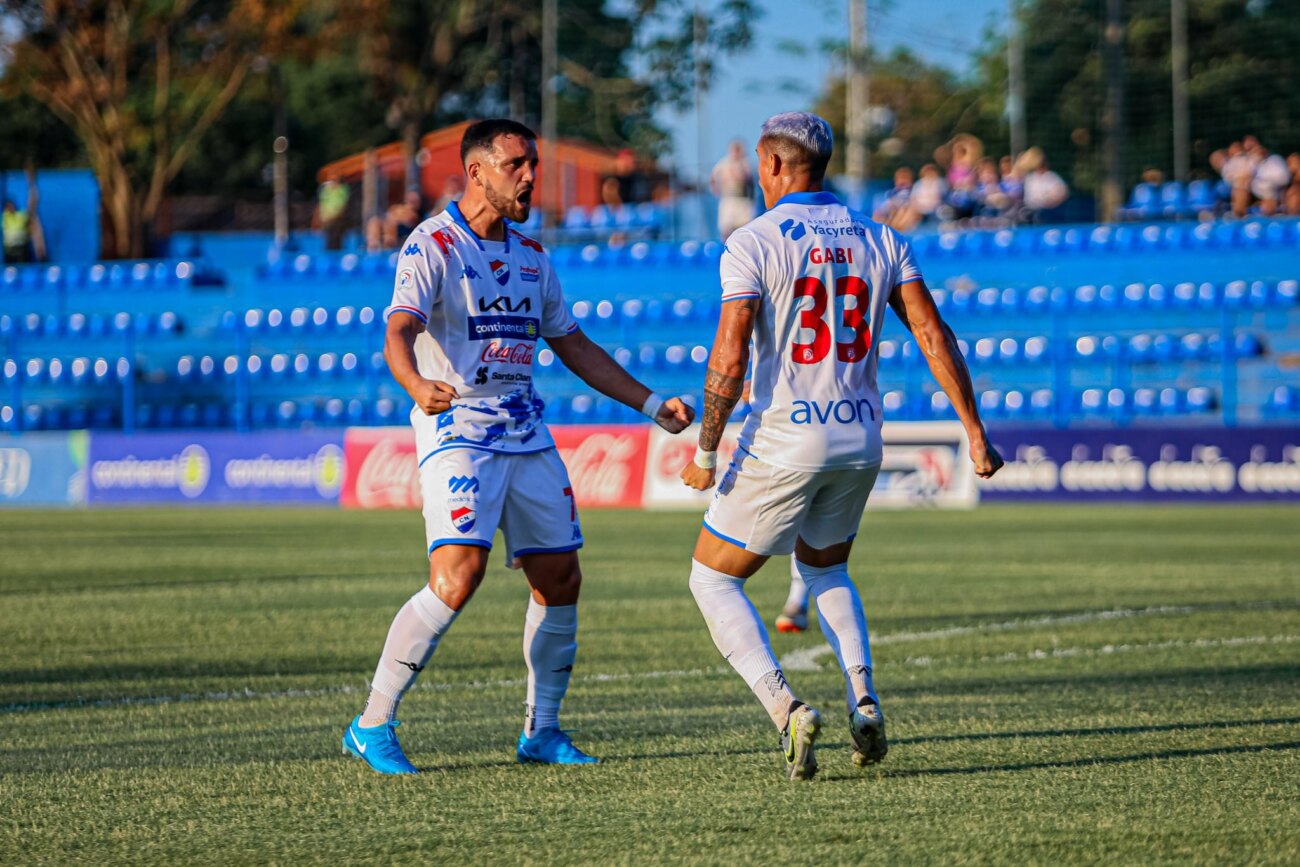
497,352
388,477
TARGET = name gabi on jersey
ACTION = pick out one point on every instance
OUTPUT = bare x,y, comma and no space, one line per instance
490,327
825,411
830,255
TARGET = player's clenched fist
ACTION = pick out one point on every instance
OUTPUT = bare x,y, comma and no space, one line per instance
985,457
675,415
698,477
433,396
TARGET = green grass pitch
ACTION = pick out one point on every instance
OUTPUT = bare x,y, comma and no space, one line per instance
1063,685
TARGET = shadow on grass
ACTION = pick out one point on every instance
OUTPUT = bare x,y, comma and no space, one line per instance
1104,730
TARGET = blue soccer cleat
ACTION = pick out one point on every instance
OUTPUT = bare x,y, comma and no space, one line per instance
551,747
377,746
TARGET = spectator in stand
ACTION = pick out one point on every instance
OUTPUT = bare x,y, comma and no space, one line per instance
1270,181
452,189
16,227
1013,187
732,181
1293,191
993,201
331,210
962,156
928,195
1238,172
1044,189
402,218
894,211
611,196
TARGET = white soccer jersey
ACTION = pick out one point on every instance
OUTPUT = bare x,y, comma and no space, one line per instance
484,305
825,274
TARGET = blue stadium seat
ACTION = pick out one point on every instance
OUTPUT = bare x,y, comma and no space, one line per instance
1173,199
1199,399
1143,202
1283,400
1200,197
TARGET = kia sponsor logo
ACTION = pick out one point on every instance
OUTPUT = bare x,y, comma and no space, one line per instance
15,472
187,471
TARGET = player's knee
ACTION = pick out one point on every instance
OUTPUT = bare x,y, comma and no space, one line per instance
454,579
705,580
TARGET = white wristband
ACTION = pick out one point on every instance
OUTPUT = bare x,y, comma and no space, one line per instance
706,460
650,409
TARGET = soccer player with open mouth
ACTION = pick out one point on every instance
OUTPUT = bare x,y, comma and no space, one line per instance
807,282
472,297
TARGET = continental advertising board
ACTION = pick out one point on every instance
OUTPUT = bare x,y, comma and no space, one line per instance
200,467
1216,464
43,469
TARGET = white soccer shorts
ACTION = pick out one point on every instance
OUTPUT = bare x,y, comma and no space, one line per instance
470,493
765,509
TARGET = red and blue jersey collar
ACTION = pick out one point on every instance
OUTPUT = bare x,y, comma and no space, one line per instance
453,208
821,197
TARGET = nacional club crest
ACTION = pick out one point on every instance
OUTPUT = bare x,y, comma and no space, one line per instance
500,270
463,519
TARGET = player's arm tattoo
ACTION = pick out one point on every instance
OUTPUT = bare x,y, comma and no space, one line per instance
725,381
721,394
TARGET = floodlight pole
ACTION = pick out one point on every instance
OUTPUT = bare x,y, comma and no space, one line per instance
1178,64
551,192
1112,115
857,94
1016,80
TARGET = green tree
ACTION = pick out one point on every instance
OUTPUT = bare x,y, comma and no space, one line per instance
141,83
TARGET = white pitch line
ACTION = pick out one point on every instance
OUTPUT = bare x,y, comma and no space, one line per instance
798,660
807,658
1110,649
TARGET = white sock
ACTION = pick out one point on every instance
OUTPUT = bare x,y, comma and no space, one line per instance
411,641
550,646
798,589
739,636
839,611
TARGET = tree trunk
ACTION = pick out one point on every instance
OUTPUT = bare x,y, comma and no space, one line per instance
410,148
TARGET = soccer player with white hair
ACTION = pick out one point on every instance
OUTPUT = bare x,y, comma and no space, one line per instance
807,282
472,297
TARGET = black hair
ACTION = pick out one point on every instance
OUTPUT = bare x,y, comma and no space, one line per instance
484,133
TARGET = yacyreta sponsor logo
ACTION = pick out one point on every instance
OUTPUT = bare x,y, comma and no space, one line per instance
826,411
187,471
489,327
322,472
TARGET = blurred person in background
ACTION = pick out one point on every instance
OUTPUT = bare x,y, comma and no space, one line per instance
1045,190
1012,185
1292,199
16,227
962,156
1238,172
452,189
402,218
331,208
732,181
1270,181
993,201
894,210
928,194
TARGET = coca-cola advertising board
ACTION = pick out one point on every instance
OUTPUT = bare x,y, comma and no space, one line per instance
606,463
606,466
924,464
382,470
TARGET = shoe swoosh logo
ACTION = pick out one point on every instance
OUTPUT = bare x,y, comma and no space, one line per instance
361,748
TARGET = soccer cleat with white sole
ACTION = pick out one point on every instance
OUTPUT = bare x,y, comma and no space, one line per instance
867,728
793,618
377,746
797,743
551,746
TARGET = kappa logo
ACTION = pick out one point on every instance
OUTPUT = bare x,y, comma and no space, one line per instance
793,229
469,272
463,484
411,250
500,270
463,518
